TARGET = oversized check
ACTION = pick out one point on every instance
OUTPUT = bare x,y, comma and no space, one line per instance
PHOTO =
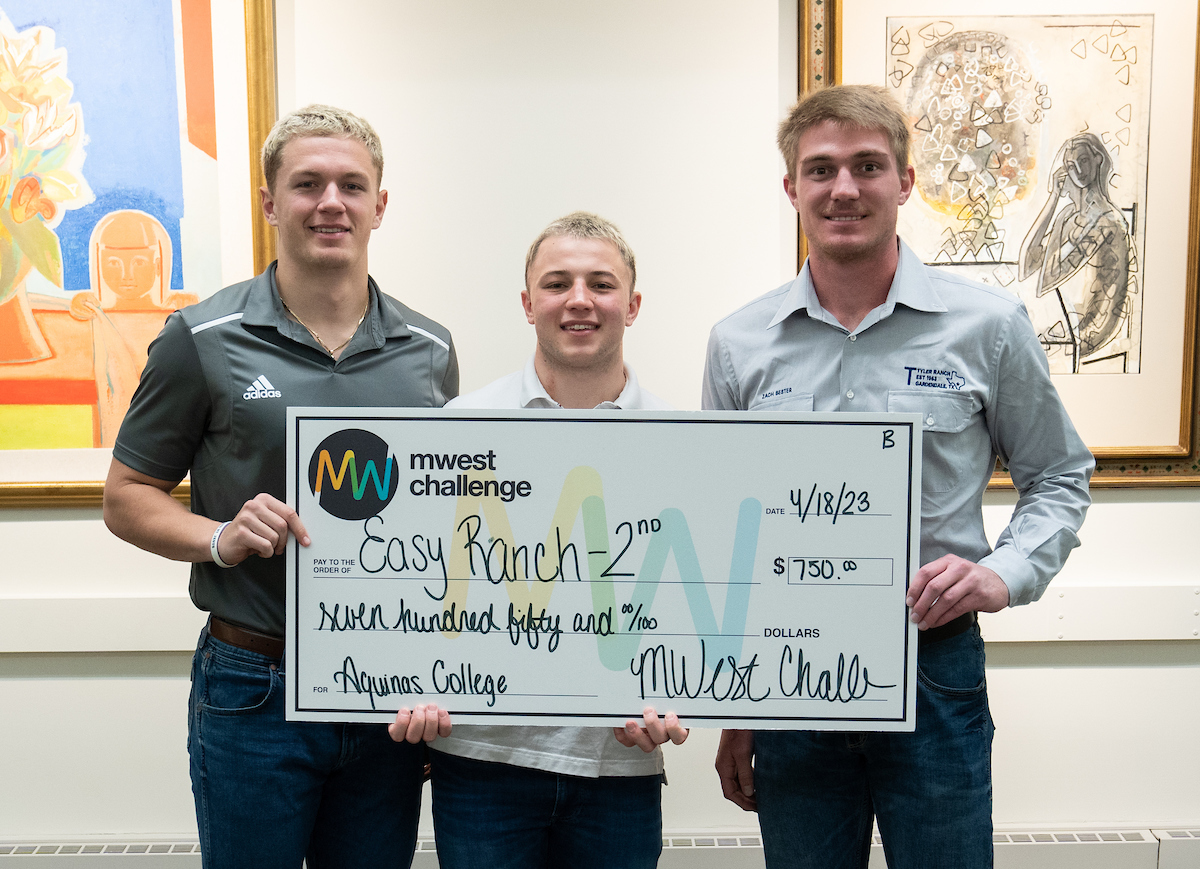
575,567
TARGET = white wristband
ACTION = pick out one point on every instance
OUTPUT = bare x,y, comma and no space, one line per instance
213,546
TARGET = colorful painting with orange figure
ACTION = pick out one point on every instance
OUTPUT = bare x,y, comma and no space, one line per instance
92,231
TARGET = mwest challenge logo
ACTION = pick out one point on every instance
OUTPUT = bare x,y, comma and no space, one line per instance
353,474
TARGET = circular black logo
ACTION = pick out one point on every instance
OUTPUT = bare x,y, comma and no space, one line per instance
352,474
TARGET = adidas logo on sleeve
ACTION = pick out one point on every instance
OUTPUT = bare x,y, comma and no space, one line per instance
261,388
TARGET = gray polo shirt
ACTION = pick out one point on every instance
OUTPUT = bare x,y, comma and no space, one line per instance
213,401
963,355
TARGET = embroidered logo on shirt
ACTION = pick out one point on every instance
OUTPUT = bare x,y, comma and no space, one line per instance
261,388
935,378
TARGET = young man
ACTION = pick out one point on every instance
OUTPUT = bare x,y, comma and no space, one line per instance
314,329
846,335
528,797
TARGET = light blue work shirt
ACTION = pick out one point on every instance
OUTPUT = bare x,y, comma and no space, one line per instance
965,357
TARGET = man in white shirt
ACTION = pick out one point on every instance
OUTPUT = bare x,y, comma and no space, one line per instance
521,796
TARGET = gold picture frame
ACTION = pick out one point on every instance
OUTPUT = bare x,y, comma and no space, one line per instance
1135,466
261,108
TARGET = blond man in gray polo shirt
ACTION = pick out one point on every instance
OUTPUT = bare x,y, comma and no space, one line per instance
314,329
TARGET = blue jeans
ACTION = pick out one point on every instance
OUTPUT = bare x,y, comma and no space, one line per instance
497,816
272,793
931,789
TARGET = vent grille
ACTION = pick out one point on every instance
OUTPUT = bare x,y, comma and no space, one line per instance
1074,838
112,854
85,850
136,855
712,842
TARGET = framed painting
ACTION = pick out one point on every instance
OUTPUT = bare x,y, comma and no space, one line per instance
112,196
1048,148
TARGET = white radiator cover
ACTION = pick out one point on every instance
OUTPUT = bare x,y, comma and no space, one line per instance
1084,849
1178,849
1174,848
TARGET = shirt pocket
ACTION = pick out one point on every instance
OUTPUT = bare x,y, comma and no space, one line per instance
789,401
943,415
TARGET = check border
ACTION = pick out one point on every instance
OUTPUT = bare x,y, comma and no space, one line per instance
300,416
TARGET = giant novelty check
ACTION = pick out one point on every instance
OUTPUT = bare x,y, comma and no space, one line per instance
575,567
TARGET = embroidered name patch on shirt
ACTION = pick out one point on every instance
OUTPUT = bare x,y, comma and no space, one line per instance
934,378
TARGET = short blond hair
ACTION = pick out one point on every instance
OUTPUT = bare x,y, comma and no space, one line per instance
584,224
870,107
318,120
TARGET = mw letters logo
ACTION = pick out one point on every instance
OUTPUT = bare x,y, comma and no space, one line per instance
353,474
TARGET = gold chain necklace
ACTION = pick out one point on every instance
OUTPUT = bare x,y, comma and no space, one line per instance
317,337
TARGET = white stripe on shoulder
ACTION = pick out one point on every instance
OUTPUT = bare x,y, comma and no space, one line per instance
429,335
228,318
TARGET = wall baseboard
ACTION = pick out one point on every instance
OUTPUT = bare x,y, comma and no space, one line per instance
1078,849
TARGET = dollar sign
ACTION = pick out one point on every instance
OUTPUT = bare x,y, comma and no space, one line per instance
778,566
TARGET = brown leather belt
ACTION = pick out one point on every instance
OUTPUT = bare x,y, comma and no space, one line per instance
244,638
960,625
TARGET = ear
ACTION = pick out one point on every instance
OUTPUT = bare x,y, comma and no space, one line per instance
906,183
380,205
527,304
635,305
789,188
268,205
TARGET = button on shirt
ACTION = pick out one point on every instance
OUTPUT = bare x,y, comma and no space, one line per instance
965,357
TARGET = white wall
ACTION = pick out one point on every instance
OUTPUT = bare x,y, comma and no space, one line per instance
497,118
1102,732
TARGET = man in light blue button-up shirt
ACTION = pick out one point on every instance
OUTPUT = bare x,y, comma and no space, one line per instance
867,326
